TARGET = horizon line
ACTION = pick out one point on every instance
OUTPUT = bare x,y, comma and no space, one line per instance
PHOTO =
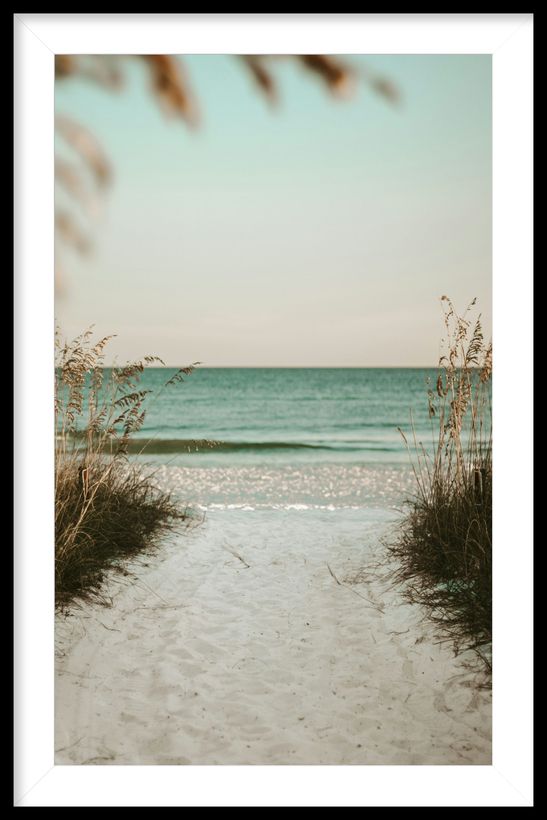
202,366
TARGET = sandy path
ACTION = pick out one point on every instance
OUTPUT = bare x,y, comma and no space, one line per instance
264,658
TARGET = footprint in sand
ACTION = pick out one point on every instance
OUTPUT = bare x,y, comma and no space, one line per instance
439,702
126,717
408,670
189,670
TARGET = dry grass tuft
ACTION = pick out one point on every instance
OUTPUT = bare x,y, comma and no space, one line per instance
443,548
106,509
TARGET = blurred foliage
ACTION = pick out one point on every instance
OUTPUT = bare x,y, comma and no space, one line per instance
85,181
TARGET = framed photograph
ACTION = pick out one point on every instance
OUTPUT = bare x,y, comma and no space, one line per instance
270,500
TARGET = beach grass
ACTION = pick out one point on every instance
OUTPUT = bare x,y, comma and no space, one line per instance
106,508
443,547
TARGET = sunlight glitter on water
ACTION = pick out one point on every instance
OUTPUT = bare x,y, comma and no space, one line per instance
326,486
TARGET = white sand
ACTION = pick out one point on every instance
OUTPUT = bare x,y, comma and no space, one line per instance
206,657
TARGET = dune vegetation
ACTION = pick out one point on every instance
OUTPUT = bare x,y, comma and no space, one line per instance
106,508
443,547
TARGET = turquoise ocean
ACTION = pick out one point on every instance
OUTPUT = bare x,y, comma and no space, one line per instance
291,438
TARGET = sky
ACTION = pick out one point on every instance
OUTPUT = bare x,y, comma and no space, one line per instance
319,233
